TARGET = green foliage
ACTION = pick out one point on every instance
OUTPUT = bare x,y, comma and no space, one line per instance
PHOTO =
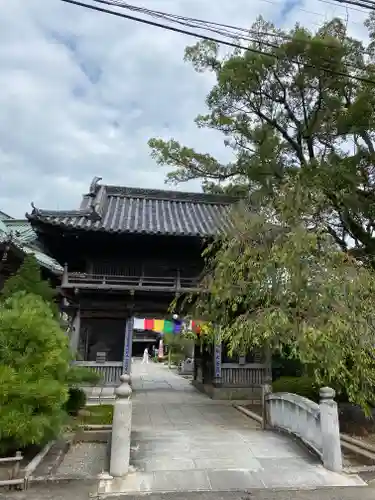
28,279
35,373
81,375
76,401
285,277
289,288
304,386
179,345
285,114
177,357
34,365
285,365
97,415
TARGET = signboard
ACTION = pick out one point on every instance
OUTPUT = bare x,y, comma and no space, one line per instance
128,345
218,360
161,349
218,355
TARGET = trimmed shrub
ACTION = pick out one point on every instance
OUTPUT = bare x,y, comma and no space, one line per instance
304,386
76,401
34,365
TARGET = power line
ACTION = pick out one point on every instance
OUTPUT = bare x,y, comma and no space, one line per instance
200,23
241,33
209,38
365,4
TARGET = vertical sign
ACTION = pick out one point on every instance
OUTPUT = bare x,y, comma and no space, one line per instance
217,355
161,348
128,343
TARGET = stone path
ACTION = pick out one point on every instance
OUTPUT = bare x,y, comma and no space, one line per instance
79,490
184,441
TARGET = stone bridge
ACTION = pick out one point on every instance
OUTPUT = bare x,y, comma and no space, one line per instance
183,441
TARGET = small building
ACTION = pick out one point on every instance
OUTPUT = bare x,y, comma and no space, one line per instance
127,253
18,239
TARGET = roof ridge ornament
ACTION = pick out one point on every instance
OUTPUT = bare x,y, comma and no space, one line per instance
35,211
94,185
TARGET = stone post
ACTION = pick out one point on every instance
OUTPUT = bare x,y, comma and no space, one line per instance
329,425
121,429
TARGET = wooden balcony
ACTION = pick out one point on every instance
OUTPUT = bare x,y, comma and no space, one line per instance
132,283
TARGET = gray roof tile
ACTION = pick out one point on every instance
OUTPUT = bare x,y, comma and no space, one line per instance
145,211
25,239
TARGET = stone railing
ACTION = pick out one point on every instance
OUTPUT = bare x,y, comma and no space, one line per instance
315,424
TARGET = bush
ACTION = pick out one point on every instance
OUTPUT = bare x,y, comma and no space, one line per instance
34,365
177,357
304,386
76,401
28,279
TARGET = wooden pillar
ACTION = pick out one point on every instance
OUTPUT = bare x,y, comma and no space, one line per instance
75,333
217,358
64,280
128,344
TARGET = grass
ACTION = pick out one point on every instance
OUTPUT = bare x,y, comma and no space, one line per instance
96,415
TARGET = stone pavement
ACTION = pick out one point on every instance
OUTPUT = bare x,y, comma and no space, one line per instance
79,490
184,441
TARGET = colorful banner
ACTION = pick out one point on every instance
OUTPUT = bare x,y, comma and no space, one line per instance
167,326
158,325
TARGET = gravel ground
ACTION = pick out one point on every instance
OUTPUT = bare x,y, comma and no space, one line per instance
74,490
84,459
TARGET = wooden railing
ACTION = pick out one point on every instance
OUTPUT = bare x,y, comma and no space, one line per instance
103,281
10,470
109,371
243,376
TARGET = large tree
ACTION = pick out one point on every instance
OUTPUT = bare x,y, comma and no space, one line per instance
278,284
293,105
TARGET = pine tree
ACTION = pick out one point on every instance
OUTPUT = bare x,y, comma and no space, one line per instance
34,372
28,279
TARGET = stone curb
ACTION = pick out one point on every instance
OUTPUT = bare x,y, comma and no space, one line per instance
249,413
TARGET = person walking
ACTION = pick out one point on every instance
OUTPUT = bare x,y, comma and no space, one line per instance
145,356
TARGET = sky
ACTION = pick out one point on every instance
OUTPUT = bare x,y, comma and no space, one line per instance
82,92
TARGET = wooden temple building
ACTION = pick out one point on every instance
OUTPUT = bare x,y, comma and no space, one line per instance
126,253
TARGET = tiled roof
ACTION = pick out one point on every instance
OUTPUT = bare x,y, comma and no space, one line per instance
145,211
3,215
24,238
22,229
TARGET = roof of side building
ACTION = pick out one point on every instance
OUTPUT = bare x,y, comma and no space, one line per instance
20,233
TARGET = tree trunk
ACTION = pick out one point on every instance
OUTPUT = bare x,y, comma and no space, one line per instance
169,357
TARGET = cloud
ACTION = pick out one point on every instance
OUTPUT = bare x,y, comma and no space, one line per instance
82,92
